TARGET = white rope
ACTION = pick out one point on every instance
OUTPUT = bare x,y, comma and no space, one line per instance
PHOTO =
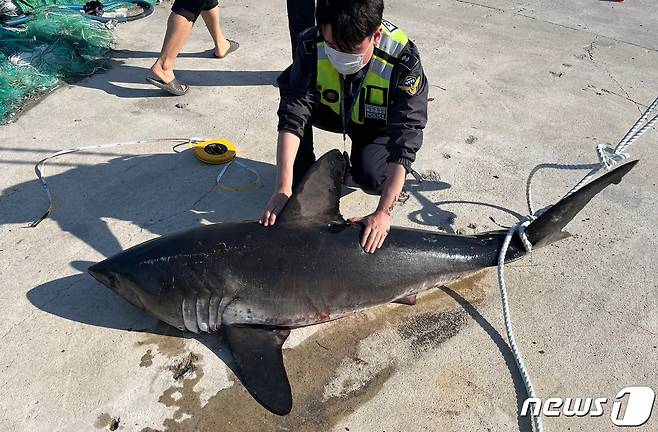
506,311
608,158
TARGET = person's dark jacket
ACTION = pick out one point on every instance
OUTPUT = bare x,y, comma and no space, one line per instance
407,111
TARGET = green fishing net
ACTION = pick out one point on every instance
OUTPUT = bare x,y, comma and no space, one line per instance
54,47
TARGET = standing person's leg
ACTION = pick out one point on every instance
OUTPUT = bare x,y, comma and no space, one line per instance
368,161
301,15
178,31
212,17
179,25
305,156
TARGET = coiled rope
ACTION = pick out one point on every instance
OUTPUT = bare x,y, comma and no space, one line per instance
608,158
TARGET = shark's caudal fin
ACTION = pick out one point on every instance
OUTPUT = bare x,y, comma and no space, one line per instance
547,228
316,198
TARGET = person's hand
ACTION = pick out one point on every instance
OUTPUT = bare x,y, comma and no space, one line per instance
376,228
274,206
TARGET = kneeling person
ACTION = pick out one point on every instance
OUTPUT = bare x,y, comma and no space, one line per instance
361,76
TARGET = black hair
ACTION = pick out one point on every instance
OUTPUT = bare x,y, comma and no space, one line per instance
351,20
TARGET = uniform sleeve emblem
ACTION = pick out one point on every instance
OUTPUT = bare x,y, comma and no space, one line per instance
411,84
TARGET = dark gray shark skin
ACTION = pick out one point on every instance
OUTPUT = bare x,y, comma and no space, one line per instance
255,283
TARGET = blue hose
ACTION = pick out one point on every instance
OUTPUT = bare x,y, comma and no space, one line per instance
16,21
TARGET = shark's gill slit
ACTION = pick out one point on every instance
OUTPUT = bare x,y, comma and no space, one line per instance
189,313
214,321
202,312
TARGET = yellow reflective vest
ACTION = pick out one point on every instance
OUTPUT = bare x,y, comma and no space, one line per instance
373,100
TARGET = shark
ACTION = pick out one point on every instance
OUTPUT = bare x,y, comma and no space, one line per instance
252,284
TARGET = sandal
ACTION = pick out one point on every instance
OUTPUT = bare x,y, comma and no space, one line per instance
174,86
233,46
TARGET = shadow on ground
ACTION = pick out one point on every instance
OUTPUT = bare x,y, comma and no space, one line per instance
126,54
430,214
161,193
434,214
120,80
524,423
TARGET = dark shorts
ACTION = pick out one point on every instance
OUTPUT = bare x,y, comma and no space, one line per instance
368,160
191,9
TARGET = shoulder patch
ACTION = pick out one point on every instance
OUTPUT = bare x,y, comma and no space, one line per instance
409,61
411,83
390,27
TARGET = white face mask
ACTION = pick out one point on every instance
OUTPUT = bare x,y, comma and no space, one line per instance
345,63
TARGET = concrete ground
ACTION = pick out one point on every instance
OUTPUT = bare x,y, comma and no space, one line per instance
514,84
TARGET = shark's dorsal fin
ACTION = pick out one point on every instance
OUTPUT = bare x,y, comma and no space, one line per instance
259,362
316,198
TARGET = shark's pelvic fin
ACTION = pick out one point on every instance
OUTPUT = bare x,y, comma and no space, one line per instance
259,362
408,300
315,200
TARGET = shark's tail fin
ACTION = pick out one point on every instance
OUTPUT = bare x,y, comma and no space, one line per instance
547,228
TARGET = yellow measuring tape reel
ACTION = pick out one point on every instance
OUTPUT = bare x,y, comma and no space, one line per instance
216,151
219,152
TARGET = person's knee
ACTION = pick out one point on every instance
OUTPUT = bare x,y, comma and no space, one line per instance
369,178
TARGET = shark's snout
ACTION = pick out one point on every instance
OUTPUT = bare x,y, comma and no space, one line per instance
101,274
105,273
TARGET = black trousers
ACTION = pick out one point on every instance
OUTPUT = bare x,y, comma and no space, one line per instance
368,160
301,15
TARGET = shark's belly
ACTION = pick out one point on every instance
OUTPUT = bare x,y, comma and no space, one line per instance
331,280
308,309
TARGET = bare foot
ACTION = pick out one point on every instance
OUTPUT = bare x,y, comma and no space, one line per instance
163,75
220,51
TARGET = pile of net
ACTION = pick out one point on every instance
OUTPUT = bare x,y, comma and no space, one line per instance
55,46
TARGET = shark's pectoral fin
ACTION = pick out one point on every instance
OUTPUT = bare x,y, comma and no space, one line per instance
408,300
259,361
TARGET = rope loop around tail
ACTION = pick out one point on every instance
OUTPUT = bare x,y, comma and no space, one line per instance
521,229
608,157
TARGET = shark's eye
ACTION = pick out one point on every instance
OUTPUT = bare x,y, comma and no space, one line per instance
112,279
